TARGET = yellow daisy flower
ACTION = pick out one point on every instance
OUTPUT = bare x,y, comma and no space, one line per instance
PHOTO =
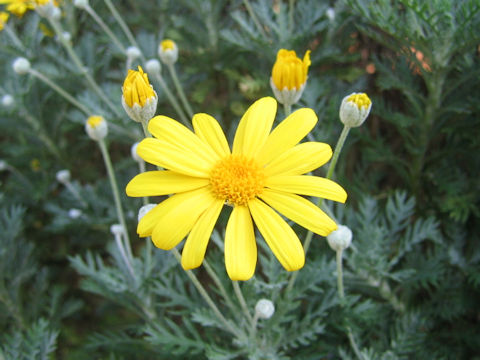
18,7
3,19
260,178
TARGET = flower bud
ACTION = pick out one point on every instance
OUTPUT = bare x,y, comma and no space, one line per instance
7,100
21,66
330,14
139,99
47,9
3,19
74,213
168,52
117,230
3,165
264,309
340,239
133,52
153,66
144,210
96,127
81,4
355,109
289,76
133,151
63,176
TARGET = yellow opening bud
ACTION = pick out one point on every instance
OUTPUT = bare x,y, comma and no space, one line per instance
167,45
3,19
355,109
18,8
139,99
289,76
289,71
137,88
168,52
96,127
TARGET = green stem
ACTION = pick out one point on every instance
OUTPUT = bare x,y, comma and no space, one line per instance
116,194
18,43
341,292
287,108
241,299
255,19
121,249
331,168
291,9
178,86
172,99
41,133
105,28
122,24
60,91
207,298
78,63
253,330
75,193
220,286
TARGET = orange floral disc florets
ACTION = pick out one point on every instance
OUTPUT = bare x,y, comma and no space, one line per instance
237,179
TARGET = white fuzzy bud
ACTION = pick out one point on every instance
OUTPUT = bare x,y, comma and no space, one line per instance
330,13
168,52
81,4
340,239
55,13
7,100
74,213
66,36
144,210
153,66
96,127
63,176
133,52
117,230
3,165
133,151
21,66
264,309
355,109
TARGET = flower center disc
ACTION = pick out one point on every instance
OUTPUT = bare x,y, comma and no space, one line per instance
237,179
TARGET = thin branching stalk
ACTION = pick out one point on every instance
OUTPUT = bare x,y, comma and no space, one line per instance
121,249
16,41
116,194
78,63
219,285
241,300
172,99
181,93
287,108
122,24
208,299
331,168
255,19
105,28
291,10
60,91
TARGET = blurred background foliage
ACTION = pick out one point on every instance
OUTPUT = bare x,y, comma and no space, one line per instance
412,173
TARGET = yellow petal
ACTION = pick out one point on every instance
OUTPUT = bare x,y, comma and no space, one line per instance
156,183
240,245
208,129
287,134
279,236
300,159
299,210
197,241
175,222
168,156
308,185
254,127
169,130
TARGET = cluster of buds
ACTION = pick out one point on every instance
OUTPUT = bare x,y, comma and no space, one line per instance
289,76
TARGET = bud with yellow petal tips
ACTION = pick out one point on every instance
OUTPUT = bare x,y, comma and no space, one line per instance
355,109
289,76
168,52
3,19
139,99
96,127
